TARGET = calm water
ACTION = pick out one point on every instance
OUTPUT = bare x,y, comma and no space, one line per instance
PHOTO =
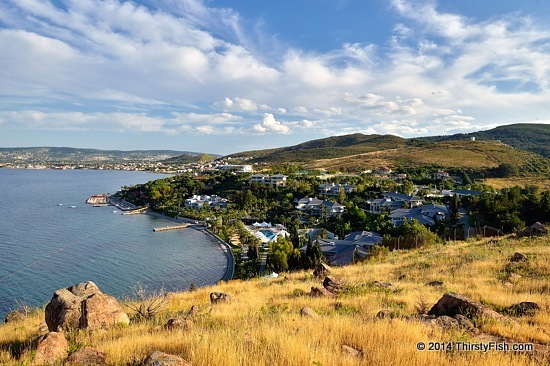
46,244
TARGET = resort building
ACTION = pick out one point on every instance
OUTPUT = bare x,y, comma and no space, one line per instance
199,201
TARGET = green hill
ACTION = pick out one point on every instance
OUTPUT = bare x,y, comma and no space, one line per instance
526,136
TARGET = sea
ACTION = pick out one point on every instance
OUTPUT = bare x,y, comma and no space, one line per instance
50,239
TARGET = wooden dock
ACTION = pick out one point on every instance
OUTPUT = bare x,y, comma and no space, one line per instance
175,227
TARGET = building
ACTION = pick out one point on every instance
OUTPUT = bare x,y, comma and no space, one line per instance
392,201
440,175
313,206
343,252
199,201
275,180
333,189
426,214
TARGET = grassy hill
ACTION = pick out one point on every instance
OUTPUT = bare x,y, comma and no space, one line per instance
526,136
263,326
358,152
330,147
187,158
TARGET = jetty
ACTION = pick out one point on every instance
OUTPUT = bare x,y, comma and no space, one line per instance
174,227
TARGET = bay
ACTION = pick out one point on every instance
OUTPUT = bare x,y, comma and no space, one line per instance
50,238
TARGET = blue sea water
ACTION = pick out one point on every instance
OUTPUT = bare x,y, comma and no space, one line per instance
50,238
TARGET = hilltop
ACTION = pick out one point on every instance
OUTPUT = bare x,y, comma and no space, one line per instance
263,325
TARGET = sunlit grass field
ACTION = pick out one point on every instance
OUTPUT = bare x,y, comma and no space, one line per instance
263,325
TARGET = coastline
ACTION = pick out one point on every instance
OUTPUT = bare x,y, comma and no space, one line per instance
201,226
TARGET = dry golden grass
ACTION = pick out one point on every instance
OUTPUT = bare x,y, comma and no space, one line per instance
499,183
263,326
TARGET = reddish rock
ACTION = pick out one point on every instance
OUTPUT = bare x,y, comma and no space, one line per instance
83,306
307,312
50,348
14,317
179,323
87,356
320,292
452,304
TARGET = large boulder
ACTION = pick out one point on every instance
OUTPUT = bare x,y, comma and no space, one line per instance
321,270
83,306
332,285
50,348
452,304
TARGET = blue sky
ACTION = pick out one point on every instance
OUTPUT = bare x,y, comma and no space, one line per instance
224,76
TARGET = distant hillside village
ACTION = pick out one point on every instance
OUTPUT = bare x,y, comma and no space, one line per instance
293,218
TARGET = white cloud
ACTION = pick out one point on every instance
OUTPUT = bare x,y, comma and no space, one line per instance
269,124
170,69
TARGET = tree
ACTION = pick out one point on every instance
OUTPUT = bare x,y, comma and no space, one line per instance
314,255
342,196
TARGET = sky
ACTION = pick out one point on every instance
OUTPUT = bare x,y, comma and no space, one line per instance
221,76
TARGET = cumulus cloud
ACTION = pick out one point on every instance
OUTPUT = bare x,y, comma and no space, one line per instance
269,124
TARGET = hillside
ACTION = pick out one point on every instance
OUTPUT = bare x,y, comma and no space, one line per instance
526,136
263,325
357,152
330,147
69,155
187,158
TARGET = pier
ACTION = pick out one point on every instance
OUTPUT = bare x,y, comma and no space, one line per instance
175,227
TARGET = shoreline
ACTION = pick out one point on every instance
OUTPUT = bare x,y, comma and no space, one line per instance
201,226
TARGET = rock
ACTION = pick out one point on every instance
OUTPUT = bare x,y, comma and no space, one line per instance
192,312
465,323
384,313
402,277
351,351
87,356
523,309
386,286
321,270
320,291
443,321
14,317
452,304
435,283
50,348
307,312
83,306
179,323
518,257
158,358
216,297
332,285
508,284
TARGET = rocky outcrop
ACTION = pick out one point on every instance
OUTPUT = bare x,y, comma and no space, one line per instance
384,313
14,317
158,358
87,356
351,351
320,292
518,257
49,348
321,270
184,324
452,304
83,306
217,297
332,285
526,308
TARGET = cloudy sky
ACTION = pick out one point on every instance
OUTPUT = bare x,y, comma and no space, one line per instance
223,76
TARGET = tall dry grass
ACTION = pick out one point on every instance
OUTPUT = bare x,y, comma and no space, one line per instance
263,326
